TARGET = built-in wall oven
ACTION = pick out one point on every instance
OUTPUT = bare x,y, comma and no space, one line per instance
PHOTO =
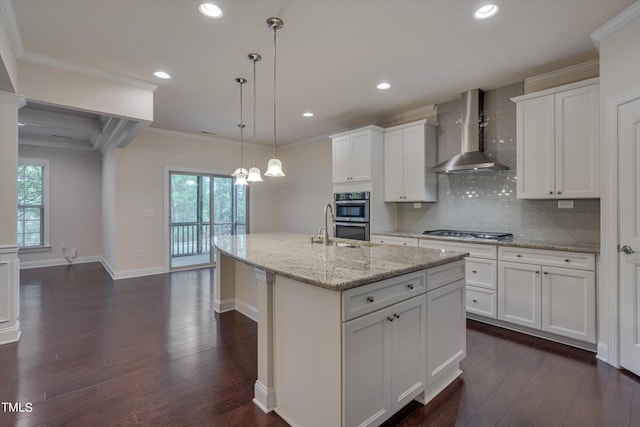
352,215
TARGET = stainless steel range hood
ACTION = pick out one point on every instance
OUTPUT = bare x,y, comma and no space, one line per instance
472,157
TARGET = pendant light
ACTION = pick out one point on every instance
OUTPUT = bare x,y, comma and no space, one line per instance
254,171
274,168
241,175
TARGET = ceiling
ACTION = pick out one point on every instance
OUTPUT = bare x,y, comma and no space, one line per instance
331,55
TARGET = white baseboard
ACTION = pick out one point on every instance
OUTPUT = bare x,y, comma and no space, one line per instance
603,351
57,262
127,274
222,306
10,332
264,398
246,309
107,267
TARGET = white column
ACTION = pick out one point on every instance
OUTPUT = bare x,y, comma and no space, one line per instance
9,262
224,295
264,391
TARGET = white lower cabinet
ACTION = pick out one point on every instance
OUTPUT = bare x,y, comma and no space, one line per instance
545,297
394,240
385,359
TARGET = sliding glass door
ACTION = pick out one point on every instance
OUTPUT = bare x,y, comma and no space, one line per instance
196,199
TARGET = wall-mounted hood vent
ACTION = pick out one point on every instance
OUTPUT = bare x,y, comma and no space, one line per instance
472,157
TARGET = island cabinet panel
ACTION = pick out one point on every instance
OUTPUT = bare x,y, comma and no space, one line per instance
446,317
385,359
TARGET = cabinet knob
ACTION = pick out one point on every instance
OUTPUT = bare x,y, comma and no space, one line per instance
410,286
519,255
537,271
370,299
551,193
475,300
567,260
390,319
396,315
473,271
559,192
546,272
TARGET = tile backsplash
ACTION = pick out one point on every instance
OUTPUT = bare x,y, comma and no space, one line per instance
487,201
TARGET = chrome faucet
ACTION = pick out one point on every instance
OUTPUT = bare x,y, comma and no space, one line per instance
324,231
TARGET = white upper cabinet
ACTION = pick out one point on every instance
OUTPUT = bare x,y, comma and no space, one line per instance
409,155
558,142
352,154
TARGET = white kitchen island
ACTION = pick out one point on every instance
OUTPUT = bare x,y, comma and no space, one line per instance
351,332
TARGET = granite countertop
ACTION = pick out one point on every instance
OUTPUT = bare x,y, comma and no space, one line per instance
519,242
332,267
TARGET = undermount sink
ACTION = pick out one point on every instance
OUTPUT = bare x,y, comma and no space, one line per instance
345,245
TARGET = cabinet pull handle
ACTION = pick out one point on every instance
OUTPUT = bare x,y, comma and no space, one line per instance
546,272
567,260
551,193
370,299
559,192
390,319
519,256
538,272
473,271
410,286
396,315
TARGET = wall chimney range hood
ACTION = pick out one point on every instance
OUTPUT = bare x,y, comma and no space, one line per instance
472,158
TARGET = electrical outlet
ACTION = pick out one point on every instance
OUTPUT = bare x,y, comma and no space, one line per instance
63,245
417,205
565,204
139,253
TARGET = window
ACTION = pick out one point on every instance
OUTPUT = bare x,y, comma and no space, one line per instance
33,203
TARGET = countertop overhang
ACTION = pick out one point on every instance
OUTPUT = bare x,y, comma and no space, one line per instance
333,267
519,242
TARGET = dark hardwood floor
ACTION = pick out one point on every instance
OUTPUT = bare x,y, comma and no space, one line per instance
150,351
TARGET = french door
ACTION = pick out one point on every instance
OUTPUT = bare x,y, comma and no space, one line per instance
201,206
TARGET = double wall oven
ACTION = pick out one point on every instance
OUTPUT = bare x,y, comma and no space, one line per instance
352,215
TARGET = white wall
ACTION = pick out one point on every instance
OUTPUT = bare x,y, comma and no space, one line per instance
76,206
139,185
619,72
307,186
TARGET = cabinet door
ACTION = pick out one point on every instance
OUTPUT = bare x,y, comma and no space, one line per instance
393,166
446,329
408,357
519,294
568,303
578,143
342,159
535,144
414,164
361,166
367,369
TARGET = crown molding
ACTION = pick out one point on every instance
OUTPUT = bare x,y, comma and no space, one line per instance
12,26
12,98
615,24
87,71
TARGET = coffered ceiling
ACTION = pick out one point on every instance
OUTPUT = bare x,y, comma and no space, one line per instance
331,56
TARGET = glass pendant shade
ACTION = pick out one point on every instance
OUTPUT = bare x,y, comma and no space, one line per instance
274,168
239,170
254,175
241,179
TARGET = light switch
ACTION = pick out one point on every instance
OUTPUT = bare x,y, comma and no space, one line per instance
565,204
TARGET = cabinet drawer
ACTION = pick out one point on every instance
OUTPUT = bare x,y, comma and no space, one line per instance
475,250
482,301
366,299
394,240
482,272
579,261
444,274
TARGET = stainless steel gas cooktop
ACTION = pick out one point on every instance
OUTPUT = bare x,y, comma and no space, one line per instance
487,235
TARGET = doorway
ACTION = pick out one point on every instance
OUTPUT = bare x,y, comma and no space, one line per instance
202,206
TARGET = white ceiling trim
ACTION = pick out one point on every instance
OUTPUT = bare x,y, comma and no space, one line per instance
12,26
615,24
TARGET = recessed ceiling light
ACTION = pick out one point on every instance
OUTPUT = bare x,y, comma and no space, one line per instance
210,10
383,86
308,114
162,75
486,12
